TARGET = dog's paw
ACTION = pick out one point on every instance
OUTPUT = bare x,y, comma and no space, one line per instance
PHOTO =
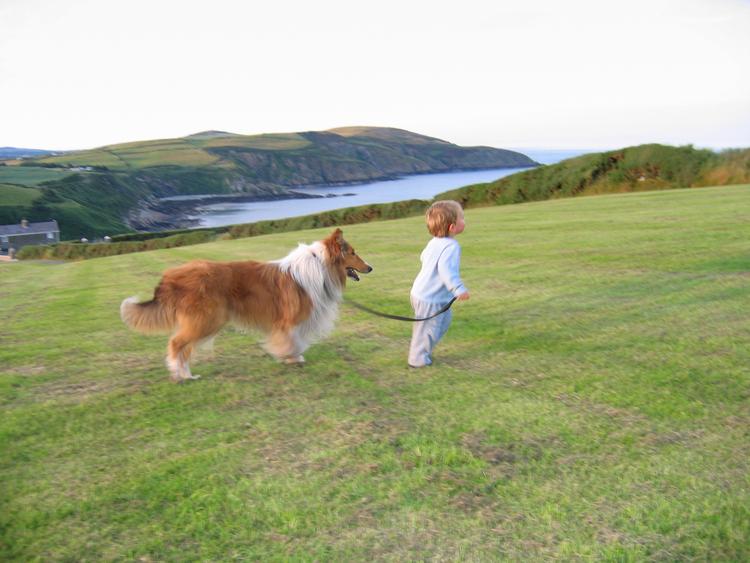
185,378
294,360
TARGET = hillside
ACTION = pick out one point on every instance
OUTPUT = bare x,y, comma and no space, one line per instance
589,403
105,189
632,169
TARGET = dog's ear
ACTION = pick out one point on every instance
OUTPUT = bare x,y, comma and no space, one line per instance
335,241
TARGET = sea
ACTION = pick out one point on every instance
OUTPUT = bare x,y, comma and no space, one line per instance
420,186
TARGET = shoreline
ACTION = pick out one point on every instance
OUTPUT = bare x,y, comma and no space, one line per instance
183,212
168,214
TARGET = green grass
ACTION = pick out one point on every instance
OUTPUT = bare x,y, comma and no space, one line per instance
187,151
94,157
220,163
590,402
165,156
268,141
30,176
632,169
141,155
12,196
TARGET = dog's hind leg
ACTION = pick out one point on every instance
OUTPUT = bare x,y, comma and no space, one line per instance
179,350
182,344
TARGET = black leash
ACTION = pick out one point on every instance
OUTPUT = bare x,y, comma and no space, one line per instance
398,317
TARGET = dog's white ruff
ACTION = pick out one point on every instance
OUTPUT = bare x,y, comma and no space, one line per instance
308,265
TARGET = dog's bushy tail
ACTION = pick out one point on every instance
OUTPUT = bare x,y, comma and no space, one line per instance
149,316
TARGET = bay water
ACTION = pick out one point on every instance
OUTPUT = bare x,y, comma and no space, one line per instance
421,186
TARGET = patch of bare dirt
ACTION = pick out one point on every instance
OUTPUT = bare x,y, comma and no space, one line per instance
624,416
479,447
78,391
521,451
26,371
680,437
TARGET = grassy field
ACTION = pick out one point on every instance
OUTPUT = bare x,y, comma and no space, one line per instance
94,157
267,141
138,155
184,151
125,176
11,196
29,175
590,402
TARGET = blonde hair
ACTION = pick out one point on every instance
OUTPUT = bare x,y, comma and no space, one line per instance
441,215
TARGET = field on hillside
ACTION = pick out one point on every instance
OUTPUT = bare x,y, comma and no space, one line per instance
29,175
591,401
183,151
11,195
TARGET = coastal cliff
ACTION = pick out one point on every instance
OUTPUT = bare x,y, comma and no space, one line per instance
116,188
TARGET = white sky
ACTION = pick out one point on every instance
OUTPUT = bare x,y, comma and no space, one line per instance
527,73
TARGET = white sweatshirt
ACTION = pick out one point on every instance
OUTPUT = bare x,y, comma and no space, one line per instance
439,280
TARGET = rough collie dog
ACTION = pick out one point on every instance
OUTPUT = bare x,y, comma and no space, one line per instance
293,300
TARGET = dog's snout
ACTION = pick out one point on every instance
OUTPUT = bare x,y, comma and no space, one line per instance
369,269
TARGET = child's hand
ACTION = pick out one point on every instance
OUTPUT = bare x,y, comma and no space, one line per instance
463,297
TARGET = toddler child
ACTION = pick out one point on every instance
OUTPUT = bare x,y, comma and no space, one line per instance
438,281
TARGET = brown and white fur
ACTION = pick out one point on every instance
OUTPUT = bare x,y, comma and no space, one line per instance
294,301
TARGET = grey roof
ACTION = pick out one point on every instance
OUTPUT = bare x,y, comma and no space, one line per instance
33,228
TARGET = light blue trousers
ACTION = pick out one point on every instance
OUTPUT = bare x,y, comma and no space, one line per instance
426,334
